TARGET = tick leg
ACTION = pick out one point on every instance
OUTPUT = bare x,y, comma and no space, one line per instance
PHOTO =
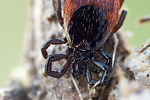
57,6
81,69
96,70
120,22
106,74
78,69
107,56
89,77
73,69
55,57
48,43
102,82
105,67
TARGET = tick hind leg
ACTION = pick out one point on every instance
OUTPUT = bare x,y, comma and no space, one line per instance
48,43
120,22
58,8
107,56
55,57
78,69
102,82
105,76
105,67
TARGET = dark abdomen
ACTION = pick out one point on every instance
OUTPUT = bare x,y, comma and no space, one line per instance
87,27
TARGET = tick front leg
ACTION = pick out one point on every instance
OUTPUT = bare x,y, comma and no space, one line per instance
107,56
91,81
55,57
89,77
95,70
120,22
106,74
78,69
48,43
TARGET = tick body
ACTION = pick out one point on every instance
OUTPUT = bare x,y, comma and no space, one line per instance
87,24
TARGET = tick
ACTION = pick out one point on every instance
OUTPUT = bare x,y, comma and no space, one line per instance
87,24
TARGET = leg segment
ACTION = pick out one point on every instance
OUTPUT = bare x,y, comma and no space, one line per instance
106,74
89,77
106,67
78,69
48,43
57,6
120,22
73,69
81,69
95,70
93,82
55,57
107,56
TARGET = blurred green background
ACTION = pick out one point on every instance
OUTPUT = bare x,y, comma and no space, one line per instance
13,16
12,27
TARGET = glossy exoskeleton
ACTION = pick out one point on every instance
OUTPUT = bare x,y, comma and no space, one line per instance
87,24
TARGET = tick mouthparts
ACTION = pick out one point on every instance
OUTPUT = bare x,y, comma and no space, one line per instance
83,45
